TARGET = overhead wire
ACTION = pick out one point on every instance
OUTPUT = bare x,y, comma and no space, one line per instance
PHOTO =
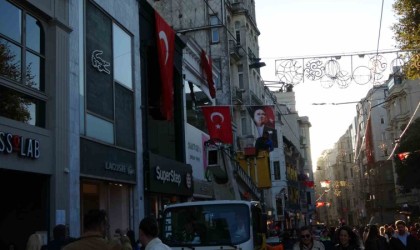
221,23
371,94
398,141
246,53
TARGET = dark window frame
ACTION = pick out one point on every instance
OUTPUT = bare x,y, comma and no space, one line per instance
115,82
37,96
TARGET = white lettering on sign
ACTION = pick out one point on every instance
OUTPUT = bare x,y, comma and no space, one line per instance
28,148
168,176
116,167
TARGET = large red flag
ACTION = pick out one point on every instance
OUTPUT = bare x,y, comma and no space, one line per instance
165,46
219,123
206,64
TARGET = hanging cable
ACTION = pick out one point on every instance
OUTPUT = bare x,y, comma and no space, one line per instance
398,141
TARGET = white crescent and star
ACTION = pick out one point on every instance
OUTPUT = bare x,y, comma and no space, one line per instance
218,126
162,36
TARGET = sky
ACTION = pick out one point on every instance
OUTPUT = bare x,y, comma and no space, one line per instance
302,28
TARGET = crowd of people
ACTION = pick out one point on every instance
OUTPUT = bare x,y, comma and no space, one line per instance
95,228
397,236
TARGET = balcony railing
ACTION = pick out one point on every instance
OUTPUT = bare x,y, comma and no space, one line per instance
235,50
238,6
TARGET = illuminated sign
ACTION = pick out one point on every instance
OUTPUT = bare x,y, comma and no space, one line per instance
98,63
25,148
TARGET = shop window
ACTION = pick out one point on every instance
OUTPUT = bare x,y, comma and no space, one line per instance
21,63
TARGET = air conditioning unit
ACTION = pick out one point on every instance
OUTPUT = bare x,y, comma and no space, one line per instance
215,165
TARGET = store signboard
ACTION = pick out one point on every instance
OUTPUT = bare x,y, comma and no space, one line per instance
169,176
106,161
24,147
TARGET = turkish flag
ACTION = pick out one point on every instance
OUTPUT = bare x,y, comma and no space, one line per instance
309,184
165,37
219,123
206,64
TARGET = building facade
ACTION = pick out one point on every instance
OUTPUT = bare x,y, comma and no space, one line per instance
79,126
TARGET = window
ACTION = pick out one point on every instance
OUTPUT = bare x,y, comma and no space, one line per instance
195,97
122,57
109,108
241,76
403,104
244,123
276,166
238,32
214,21
22,59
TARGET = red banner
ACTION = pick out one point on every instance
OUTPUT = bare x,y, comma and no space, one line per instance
309,184
206,64
219,123
165,46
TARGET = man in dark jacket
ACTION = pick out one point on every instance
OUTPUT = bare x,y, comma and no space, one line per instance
264,143
402,240
60,238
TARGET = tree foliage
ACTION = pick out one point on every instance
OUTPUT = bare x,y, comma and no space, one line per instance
407,33
12,104
408,170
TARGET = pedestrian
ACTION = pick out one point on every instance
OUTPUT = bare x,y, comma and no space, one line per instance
287,241
60,238
264,143
126,243
307,242
374,241
95,227
34,242
402,240
149,231
347,239
326,239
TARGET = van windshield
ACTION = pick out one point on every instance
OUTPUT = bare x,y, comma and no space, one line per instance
206,225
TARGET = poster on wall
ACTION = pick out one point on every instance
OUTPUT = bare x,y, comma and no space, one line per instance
195,150
264,121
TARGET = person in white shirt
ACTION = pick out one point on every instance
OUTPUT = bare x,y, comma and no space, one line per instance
149,232
307,242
